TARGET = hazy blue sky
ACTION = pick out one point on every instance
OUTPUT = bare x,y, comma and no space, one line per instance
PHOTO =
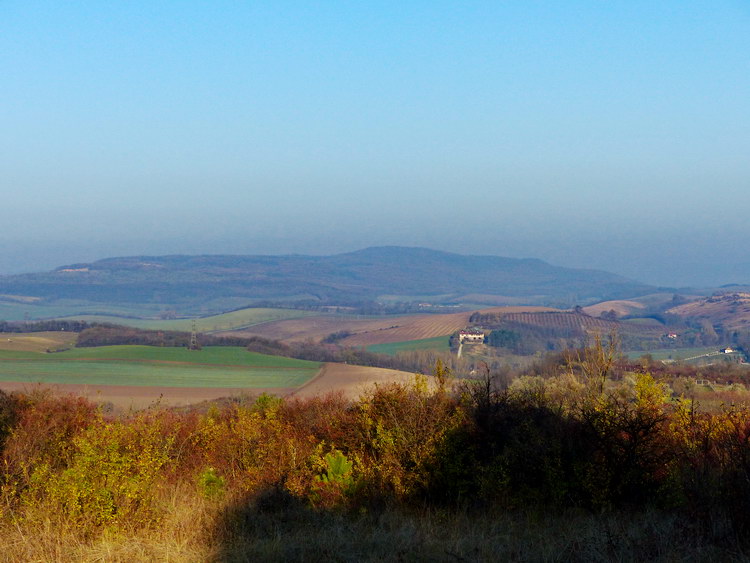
611,135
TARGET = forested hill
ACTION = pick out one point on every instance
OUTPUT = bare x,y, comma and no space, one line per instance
360,275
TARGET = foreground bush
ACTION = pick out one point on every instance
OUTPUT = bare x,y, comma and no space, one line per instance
255,478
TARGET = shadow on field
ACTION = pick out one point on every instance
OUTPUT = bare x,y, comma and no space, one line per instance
279,527
276,526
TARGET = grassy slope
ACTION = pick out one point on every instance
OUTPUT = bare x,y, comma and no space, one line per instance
226,321
151,366
17,311
392,348
37,341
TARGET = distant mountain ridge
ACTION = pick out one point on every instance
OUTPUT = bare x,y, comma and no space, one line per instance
360,275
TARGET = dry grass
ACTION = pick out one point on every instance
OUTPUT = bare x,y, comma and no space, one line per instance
36,341
276,527
438,535
731,310
181,535
620,307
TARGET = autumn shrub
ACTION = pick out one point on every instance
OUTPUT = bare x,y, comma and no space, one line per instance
42,435
545,443
336,481
517,449
399,432
713,463
111,476
564,441
254,448
626,427
329,418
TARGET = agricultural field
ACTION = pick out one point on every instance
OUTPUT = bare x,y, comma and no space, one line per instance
562,320
37,341
226,321
568,321
392,348
18,308
620,307
365,331
677,354
144,366
351,380
373,330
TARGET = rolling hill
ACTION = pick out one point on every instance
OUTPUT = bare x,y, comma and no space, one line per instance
208,282
731,311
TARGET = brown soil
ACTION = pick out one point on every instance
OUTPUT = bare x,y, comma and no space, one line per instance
352,381
366,332
124,397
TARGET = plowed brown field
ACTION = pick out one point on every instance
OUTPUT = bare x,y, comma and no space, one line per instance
124,397
352,381
380,330
562,320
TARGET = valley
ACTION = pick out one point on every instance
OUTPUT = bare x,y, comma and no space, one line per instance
359,342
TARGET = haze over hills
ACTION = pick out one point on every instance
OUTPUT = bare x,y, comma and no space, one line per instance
409,273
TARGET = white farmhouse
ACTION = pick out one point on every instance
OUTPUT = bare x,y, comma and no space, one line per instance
471,336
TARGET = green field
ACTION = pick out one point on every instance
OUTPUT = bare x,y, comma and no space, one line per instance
18,311
392,348
219,366
226,321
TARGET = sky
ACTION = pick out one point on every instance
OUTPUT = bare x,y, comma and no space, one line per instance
607,135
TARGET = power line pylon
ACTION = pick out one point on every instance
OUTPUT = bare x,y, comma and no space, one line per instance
194,338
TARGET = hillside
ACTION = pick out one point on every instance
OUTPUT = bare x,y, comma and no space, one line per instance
730,310
369,331
211,281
